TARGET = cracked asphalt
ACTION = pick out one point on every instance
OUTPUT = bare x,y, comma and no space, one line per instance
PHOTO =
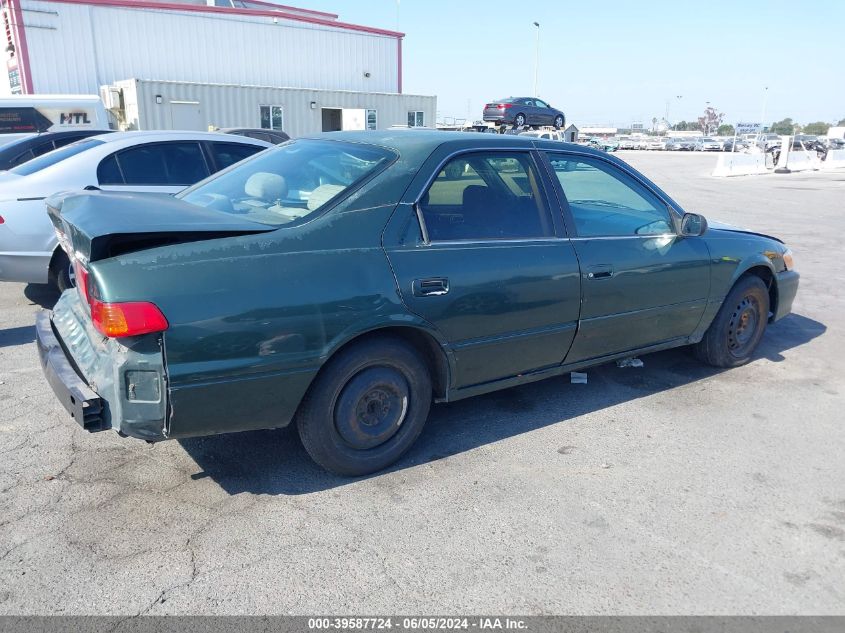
671,489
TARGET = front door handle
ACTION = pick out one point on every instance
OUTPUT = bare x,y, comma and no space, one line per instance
433,287
600,272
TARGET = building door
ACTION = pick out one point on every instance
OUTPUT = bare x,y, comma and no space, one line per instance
332,119
186,115
354,119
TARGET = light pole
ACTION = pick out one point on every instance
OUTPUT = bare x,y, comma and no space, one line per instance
763,113
537,59
668,102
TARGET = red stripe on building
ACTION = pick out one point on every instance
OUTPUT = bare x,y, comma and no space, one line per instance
21,50
200,8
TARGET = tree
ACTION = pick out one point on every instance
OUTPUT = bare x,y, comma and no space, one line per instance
818,128
841,122
681,126
725,130
784,127
711,120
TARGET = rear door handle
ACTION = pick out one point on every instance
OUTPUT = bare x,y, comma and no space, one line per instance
600,272
433,287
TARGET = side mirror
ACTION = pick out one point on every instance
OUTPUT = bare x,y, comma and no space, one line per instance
692,225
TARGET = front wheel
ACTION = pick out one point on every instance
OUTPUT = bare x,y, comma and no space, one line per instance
366,407
738,327
559,121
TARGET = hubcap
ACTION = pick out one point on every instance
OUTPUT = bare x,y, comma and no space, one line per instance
743,325
520,120
371,407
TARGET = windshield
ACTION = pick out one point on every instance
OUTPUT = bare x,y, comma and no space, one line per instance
51,158
290,183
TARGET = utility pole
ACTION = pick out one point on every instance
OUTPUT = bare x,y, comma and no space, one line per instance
763,113
537,60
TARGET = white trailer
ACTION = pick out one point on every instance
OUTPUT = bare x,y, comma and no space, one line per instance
24,115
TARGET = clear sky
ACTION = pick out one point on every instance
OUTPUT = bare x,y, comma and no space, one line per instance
607,61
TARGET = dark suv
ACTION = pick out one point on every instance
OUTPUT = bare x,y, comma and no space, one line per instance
519,111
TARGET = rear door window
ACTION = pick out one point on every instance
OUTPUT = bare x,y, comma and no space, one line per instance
226,154
156,164
484,196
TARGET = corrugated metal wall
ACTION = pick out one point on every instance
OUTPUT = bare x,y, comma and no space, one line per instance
77,48
238,106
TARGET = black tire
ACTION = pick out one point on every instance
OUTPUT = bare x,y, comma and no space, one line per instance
519,120
366,407
559,121
61,274
738,327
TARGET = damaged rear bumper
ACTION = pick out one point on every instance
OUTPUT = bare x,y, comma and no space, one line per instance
103,383
83,404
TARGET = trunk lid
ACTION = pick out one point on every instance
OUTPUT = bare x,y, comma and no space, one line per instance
98,225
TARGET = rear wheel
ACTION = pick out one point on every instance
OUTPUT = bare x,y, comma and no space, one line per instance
738,327
62,275
519,120
366,407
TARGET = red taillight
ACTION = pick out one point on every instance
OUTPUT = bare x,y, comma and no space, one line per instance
116,320
133,318
505,106
81,280
2,221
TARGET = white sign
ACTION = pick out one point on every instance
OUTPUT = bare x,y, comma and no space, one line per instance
748,128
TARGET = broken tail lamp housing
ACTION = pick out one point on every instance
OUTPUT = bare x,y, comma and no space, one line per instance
120,319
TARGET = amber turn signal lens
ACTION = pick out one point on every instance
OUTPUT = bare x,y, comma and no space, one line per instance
788,260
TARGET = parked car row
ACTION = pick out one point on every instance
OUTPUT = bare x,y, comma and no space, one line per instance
132,162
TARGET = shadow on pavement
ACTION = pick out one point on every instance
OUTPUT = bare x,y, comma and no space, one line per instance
17,336
275,463
41,294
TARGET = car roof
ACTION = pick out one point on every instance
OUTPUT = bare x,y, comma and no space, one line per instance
147,136
409,141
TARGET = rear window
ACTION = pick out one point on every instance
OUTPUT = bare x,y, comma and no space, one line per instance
56,156
287,185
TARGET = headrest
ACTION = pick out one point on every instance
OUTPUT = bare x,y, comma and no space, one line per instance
266,186
475,195
322,194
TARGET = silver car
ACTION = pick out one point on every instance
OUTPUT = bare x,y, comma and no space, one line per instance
707,144
132,162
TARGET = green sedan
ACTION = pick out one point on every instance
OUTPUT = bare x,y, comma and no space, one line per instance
346,282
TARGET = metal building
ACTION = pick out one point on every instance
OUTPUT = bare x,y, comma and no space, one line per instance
79,46
155,105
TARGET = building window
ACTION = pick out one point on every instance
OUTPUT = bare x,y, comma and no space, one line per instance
272,117
372,120
416,119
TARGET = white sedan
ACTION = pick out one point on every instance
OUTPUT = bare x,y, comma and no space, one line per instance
154,162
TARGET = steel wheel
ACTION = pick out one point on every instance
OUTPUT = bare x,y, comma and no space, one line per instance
372,407
743,326
739,325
